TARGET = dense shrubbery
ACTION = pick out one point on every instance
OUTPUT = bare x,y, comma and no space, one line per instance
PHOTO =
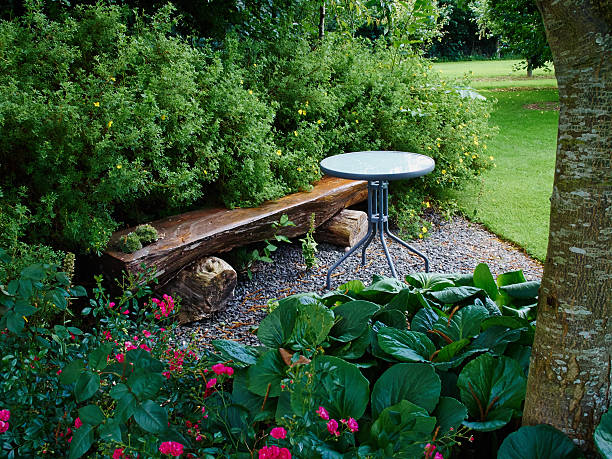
104,123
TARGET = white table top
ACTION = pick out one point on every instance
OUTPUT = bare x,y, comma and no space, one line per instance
378,165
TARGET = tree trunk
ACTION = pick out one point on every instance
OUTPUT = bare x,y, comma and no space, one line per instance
569,378
529,68
322,20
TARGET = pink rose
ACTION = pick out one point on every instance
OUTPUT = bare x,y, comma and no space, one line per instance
120,358
279,433
438,456
147,333
229,371
219,368
171,448
323,413
4,426
274,452
5,415
77,423
352,425
118,453
332,427
211,382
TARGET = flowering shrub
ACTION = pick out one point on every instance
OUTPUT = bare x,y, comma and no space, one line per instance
338,374
144,121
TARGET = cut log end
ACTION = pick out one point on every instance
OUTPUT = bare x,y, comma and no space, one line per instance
344,229
204,288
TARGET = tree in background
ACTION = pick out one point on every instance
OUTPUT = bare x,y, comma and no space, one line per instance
570,372
519,25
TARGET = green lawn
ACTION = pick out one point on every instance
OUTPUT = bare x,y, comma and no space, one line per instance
513,198
496,74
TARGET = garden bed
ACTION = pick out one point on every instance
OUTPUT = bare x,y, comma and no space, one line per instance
452,246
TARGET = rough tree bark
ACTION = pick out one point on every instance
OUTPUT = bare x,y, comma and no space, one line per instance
569,378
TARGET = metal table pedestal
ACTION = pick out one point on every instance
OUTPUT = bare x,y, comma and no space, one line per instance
378,223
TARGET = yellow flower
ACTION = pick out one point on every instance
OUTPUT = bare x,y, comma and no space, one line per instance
241,82
300,111
491,158
250,91
299,169
428,147
319,121
113,79
278,152
254,65
427,204
443,171
473,156
96,104
424,229
484,145
414,74
295,133
356,121
420,236
438,145
119,166
307,103
163,117
476,142
205,172
110,123
460,160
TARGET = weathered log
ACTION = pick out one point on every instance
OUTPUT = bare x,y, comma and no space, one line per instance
344,229
204,288
187,237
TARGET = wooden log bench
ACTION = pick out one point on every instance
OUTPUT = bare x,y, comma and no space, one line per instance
188,237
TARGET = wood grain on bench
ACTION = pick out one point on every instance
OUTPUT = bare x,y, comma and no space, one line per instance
192,235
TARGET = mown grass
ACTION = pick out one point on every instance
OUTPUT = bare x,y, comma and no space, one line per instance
497,74
512,199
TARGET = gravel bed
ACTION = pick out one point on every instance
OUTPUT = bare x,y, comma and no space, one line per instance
452,246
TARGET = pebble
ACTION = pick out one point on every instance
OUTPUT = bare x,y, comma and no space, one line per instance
453,246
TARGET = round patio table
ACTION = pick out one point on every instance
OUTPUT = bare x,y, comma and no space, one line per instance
378,168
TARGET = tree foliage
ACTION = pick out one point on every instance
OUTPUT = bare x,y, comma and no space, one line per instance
519,24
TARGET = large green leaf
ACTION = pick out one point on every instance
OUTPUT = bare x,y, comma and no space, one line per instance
391,317
511,277
402,430
334,299
86,386
493,389
484,280
465,323
355,349
92,415
313,323
269,370
81,441
276,328
449,413
454,295
71,372
151,417
429,281
603,435
351,288
406,346
538,442
494,339
352,319
98,358
407,301
110,430
424,320
240,354
382,290
339,386
450,355
416,382
143,359
144,383
248,400
523,291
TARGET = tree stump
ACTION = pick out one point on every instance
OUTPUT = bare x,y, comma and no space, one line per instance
204,288
344,229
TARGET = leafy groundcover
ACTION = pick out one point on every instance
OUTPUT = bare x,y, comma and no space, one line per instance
423,368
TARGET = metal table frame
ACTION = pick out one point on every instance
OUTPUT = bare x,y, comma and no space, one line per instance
378,224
